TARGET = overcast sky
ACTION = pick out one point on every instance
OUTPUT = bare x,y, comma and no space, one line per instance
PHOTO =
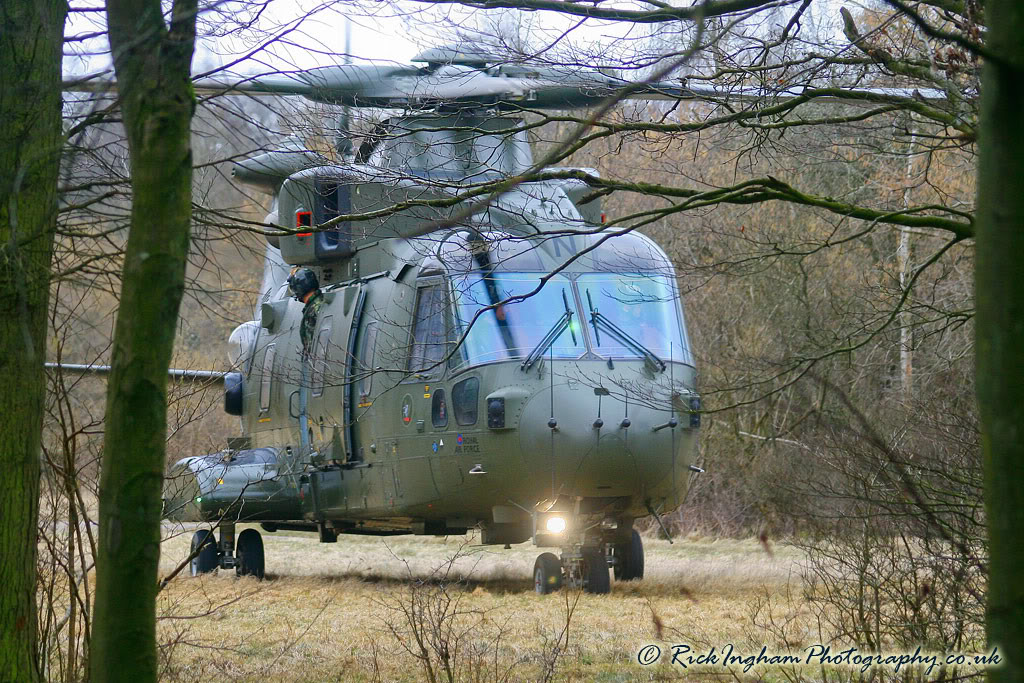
307,39
312,33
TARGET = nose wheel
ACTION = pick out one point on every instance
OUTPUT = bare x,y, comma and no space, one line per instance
547,574
585,568
629,558
595,571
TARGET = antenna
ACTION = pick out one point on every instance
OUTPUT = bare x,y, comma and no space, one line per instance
672,406
552,422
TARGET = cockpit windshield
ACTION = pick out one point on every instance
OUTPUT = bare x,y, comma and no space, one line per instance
513,329
643,305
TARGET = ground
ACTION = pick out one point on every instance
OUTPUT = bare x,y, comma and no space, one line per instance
347,611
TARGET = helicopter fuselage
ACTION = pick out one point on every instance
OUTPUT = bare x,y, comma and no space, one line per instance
408,414
511,365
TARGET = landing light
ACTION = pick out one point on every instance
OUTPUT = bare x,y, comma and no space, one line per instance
556,525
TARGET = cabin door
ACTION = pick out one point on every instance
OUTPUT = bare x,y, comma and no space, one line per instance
331,373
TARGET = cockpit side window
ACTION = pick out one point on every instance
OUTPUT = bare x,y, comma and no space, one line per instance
429,334
267,378
367,347
466,399
439,409
320,356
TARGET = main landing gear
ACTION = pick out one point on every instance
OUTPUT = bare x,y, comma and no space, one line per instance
245,555
586,566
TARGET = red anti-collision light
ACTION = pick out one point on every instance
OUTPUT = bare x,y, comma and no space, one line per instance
304,219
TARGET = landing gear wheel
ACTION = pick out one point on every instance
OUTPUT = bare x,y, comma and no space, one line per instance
595,568
205,561
630,556
547,574
249,552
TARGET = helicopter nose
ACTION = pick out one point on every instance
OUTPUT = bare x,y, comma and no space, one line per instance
597,446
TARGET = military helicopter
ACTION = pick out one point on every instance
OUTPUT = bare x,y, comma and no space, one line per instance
513,365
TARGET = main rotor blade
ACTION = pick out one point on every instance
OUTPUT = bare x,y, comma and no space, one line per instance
362,85
506,86
193,375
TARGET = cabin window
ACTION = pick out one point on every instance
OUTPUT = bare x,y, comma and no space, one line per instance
429,338
465,397
367,348
323,339
267,379
439,409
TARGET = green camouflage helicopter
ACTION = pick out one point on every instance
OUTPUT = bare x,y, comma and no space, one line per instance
512,365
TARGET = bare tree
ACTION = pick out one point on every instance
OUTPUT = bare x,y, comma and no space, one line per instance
1000,330
152,59
30,143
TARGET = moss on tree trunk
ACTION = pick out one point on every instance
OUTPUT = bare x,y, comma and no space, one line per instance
152,62
30,142
999,328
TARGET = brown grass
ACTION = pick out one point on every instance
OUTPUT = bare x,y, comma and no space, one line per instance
324,612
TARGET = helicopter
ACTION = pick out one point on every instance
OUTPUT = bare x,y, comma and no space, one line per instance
513,365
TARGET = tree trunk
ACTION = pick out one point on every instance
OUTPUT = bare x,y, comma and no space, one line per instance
152,62
31,34
999,328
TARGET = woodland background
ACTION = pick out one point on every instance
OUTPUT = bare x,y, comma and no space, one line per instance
824,250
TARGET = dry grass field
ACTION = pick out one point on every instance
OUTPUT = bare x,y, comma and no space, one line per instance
355,610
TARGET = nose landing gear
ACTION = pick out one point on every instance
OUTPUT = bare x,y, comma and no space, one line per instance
628,560
586,566
594,568
547,574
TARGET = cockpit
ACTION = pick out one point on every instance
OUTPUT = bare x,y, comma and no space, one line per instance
595,296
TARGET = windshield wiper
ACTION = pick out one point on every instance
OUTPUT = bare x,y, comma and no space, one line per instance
565,321
493,297
599,320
